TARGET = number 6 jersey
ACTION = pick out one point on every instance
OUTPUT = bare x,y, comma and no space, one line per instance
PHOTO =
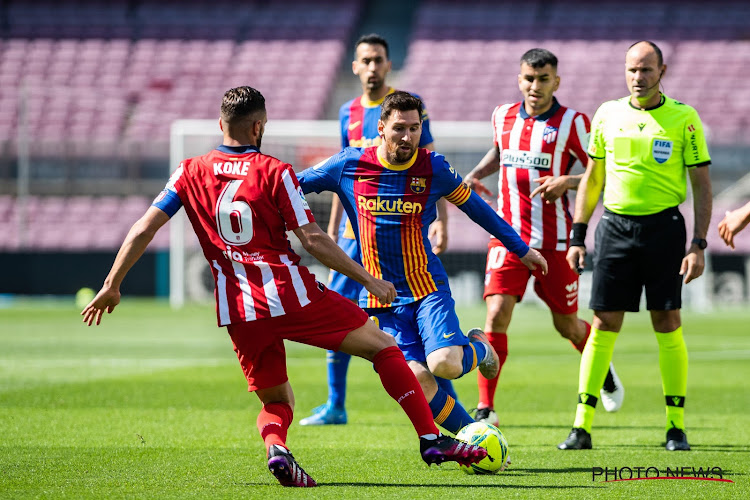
240,203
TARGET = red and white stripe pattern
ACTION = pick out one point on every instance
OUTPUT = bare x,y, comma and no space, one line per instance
259,276
531,148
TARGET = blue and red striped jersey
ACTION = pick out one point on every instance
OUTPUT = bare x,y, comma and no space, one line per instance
391,208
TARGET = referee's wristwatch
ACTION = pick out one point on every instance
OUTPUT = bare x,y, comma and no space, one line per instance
700,243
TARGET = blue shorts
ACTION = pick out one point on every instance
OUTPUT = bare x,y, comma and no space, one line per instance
341,284
423,326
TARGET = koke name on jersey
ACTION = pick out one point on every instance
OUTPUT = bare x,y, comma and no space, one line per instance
231,167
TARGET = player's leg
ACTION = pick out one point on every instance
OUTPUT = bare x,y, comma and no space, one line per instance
499,313
504,285
401,383
673,364
263,360
337,362
666,238
449,353
616,288
559,290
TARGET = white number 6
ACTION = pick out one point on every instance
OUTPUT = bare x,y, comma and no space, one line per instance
234,219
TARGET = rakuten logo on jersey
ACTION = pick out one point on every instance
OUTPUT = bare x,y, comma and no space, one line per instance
380,206
526,159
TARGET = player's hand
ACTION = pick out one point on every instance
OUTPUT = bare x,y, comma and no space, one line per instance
550,187
439,235
534,259
383,290
107,298
692,265
477,186
576,258
732,223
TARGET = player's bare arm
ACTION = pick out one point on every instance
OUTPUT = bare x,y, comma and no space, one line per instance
551,188
337,209
733,222
694,262
138,238
319,245
489,164
589,190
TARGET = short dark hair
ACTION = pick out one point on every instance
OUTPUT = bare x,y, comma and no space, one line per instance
539,58
400,101
372,39
659,56
241,102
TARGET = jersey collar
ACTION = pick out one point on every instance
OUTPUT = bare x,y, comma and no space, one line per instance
366,103
544,116
238,150
391,166
661,103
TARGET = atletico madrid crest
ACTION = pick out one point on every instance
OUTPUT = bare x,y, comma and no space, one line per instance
418,185
550,134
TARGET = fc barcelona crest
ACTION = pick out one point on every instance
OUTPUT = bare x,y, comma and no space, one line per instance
418,185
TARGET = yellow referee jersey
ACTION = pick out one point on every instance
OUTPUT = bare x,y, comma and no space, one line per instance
647,153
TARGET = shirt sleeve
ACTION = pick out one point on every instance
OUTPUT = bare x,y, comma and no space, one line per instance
695,152
168,201
596,148
446,178
324,176
344,124
578,142
290,200
426,133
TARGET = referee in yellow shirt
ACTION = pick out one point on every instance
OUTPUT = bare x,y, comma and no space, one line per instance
642,149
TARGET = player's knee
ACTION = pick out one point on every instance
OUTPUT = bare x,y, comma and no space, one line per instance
445,363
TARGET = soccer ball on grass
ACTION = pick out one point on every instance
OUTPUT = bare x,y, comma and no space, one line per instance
491,439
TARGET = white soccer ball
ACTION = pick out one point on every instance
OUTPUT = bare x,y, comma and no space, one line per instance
491,439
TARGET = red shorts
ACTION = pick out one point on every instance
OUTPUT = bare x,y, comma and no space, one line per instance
505,274
260,344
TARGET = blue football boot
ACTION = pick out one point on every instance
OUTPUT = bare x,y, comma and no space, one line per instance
325,415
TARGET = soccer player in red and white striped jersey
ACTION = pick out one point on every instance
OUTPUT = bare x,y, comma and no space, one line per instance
536,143
241,203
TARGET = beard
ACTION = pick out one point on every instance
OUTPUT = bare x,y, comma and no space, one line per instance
403,156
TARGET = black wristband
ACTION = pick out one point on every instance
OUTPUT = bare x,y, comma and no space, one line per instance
578,234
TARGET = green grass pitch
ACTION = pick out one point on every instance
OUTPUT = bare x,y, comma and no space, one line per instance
152,404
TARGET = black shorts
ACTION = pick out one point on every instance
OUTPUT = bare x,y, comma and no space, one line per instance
633,252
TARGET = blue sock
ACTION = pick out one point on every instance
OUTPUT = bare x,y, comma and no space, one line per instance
447,386
338,364
474,353
448,413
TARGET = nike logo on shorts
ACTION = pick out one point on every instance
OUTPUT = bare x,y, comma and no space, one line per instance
448,335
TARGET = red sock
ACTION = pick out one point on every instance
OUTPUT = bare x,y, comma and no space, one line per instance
401,384
579,346
487,387
273,423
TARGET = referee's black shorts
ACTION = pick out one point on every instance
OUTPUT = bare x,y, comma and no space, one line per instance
636,251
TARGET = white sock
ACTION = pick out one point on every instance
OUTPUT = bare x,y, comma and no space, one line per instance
429,437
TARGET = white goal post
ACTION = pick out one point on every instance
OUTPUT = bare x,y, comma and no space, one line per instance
301,143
